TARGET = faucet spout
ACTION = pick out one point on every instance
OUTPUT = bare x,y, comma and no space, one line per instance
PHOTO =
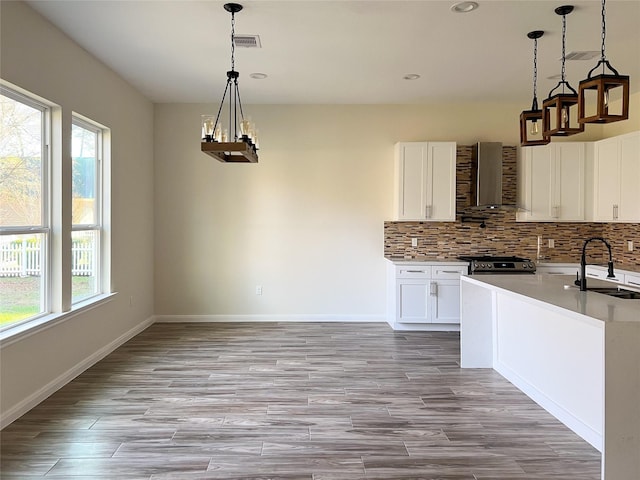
583,262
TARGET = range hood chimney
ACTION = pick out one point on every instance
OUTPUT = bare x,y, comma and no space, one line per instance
486,176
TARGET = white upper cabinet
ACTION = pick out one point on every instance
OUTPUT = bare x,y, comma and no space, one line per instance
551,183
616,189
425,181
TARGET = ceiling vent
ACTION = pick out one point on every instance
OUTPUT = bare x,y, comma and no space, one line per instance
586,55
247,41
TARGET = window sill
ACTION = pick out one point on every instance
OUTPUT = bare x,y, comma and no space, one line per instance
37,325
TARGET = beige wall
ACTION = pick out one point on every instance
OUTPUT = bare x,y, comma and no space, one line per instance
306,222
39,58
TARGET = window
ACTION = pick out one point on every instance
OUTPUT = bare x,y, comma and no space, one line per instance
54,248
86,153
24,208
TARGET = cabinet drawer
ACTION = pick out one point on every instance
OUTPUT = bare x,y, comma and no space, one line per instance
452,272
632,280
602,272
413,271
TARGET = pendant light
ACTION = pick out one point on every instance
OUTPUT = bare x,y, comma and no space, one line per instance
238,143
531,131
558,106
603,84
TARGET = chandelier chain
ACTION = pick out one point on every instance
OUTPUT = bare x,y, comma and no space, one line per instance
233,41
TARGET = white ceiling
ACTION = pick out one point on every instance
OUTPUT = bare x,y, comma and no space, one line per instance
347,51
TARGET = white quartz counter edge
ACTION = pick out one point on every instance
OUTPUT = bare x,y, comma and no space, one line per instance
551,291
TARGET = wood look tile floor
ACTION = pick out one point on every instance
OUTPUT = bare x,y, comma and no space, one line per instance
291,401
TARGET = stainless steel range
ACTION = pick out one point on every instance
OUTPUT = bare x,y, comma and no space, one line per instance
498,265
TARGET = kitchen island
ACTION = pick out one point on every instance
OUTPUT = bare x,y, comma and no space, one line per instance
577,354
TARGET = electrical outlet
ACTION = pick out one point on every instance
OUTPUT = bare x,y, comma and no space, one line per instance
630,246
258,289
414,242
552,243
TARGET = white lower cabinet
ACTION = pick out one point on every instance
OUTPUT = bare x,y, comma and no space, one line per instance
632,280
424,296
599,272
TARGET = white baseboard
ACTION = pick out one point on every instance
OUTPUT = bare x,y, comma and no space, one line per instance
34,399
426,327
268,318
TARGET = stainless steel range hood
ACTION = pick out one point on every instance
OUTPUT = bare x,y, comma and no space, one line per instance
486,176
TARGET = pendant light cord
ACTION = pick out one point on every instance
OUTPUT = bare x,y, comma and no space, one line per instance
564,32
534,106
604,34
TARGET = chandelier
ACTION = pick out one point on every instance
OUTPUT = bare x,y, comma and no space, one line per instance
530,120
556,109
603,85
238,143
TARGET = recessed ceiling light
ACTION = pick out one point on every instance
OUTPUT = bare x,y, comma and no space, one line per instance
411,76
258,76
464,7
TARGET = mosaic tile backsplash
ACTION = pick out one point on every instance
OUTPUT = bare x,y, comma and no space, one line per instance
502,234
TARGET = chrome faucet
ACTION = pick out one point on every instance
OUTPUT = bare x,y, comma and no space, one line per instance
583,262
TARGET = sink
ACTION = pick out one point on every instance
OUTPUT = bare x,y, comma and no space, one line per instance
616,292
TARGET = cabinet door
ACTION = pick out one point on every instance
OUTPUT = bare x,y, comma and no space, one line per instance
441,181
445,305
607,180
425,181
538,182
553,182
413,301
629,151
568,182
411,178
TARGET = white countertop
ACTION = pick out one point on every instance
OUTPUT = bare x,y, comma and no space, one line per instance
550,290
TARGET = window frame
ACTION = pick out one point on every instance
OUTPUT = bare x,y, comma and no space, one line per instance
57,304
98,226
45,227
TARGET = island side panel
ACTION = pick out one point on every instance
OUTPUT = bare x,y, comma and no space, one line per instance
476,325
556,359
621,455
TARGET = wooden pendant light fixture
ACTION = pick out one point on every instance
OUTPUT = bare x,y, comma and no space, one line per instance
604,85
557,109
531,128
240,143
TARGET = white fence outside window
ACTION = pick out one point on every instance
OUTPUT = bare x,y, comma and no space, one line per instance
22,259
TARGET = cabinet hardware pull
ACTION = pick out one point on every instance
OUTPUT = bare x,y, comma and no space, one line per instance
427,211
615,212
414,271
433,288
631,282
450,271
